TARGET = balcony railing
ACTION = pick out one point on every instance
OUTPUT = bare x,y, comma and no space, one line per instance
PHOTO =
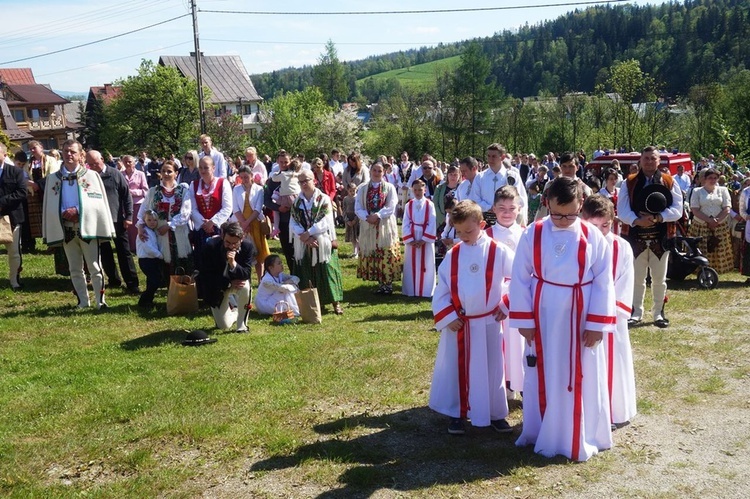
46,123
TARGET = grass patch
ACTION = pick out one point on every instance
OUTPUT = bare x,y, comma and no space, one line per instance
111,405
419,76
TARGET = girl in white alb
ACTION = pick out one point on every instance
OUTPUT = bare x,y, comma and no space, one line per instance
276,286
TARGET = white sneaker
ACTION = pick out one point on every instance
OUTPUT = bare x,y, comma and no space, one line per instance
242,329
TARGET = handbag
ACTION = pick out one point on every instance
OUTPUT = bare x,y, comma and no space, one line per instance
309,305
265,227
6,231
283,313
182,297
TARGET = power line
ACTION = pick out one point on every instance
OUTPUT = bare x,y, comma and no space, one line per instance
115,60
426,11
95,41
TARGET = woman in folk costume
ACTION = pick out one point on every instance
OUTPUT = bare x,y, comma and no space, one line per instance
419,228
315,246
173,205
211,199
599,212
76,215
248,210
562,303
507,231
468,379
379,249
710,206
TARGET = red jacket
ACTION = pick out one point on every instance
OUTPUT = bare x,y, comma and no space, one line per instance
329,183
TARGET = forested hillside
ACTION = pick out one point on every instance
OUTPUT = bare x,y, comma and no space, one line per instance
678,44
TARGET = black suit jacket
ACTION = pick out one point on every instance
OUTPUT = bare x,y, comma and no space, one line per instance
12,194
213,262
118,195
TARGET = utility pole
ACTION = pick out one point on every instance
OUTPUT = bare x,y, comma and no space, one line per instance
198,66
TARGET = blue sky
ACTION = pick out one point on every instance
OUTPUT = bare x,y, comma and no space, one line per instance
265,42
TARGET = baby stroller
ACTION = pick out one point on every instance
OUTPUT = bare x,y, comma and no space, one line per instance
685,258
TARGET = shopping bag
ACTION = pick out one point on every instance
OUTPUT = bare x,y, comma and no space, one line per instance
182,297
6,231
309,305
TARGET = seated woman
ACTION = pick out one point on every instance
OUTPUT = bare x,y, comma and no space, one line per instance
276,286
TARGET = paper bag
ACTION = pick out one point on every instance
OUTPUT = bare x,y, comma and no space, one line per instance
6,231
309,305
182,297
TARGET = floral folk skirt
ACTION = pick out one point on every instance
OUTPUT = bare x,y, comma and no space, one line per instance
716,244
383,265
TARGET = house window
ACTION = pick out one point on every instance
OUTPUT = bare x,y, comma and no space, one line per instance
35,114
248,109
19,115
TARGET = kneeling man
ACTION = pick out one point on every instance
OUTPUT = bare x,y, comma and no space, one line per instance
225,266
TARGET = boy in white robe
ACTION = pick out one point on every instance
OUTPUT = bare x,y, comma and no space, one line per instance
468,379
276,286
599,212
419,234
507,231
562,302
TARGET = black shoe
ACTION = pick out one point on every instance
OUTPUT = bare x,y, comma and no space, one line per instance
380,290
501,426
113,284
633,322
388,290
613,427
133,290
661,323
456,427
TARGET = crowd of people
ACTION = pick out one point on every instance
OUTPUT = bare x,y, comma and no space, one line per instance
536,267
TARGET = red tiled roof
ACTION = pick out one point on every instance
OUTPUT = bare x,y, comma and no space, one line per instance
105,93
17,76
33,94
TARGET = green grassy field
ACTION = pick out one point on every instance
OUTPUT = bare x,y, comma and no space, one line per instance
420,76
111,405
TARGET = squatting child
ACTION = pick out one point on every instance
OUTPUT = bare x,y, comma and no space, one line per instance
150,259
276,286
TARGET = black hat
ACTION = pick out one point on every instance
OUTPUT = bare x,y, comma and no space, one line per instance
653,199
197,338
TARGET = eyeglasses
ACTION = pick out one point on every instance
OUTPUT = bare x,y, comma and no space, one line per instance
306,181
558,216
188,158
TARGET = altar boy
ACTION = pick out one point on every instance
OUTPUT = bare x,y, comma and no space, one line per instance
599,212
419,233
468,379
562,303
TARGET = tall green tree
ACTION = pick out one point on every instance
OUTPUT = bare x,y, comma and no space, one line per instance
631,85
467,98
227,133
292,121
156,110
330,76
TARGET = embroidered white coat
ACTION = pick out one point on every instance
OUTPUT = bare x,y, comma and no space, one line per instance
419,263
565,398
468,377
